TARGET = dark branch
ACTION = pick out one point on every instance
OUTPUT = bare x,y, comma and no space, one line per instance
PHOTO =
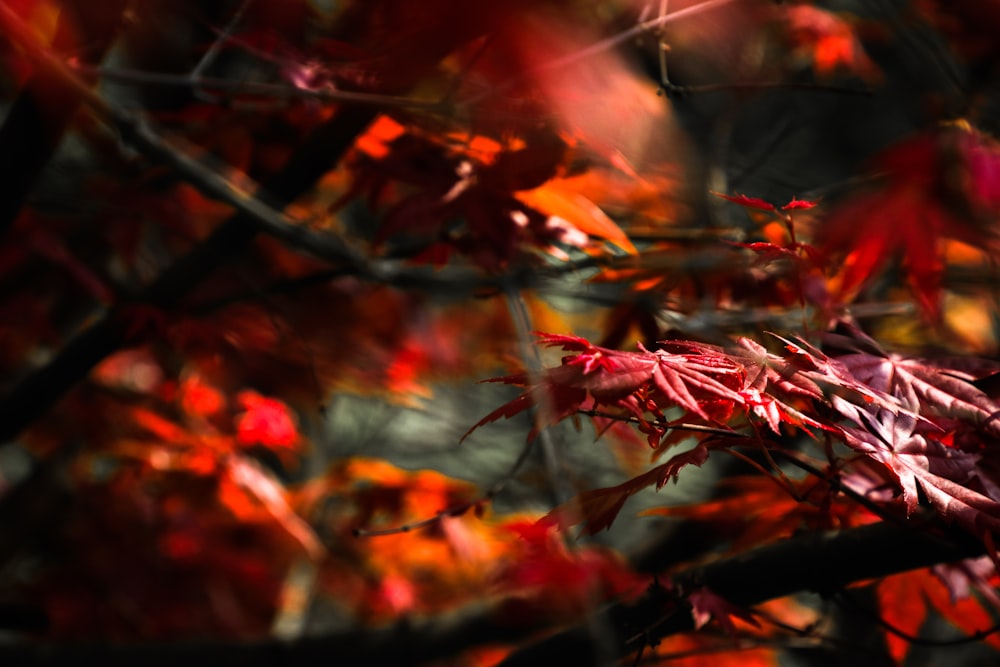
820,563
823,563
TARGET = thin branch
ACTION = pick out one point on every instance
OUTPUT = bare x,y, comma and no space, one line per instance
541,410
598,629
830,477
782,481
213,52
694,428
663,47
255,89
791,457
752,86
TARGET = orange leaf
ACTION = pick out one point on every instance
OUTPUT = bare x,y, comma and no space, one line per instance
375,141
199,398
559,200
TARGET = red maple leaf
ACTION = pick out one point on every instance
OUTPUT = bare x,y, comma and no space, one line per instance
937,185
692,376
748,202
772,389
764,205
933,387
951,480
799,205
807,371
442,192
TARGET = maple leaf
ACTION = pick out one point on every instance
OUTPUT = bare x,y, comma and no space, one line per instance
941,387
968,577
804,374
748,202
488,205
692,376
764,205
771,252
799,205
950,479
557,200
942,184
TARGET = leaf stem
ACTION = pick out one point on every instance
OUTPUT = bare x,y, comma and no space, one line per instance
694,428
